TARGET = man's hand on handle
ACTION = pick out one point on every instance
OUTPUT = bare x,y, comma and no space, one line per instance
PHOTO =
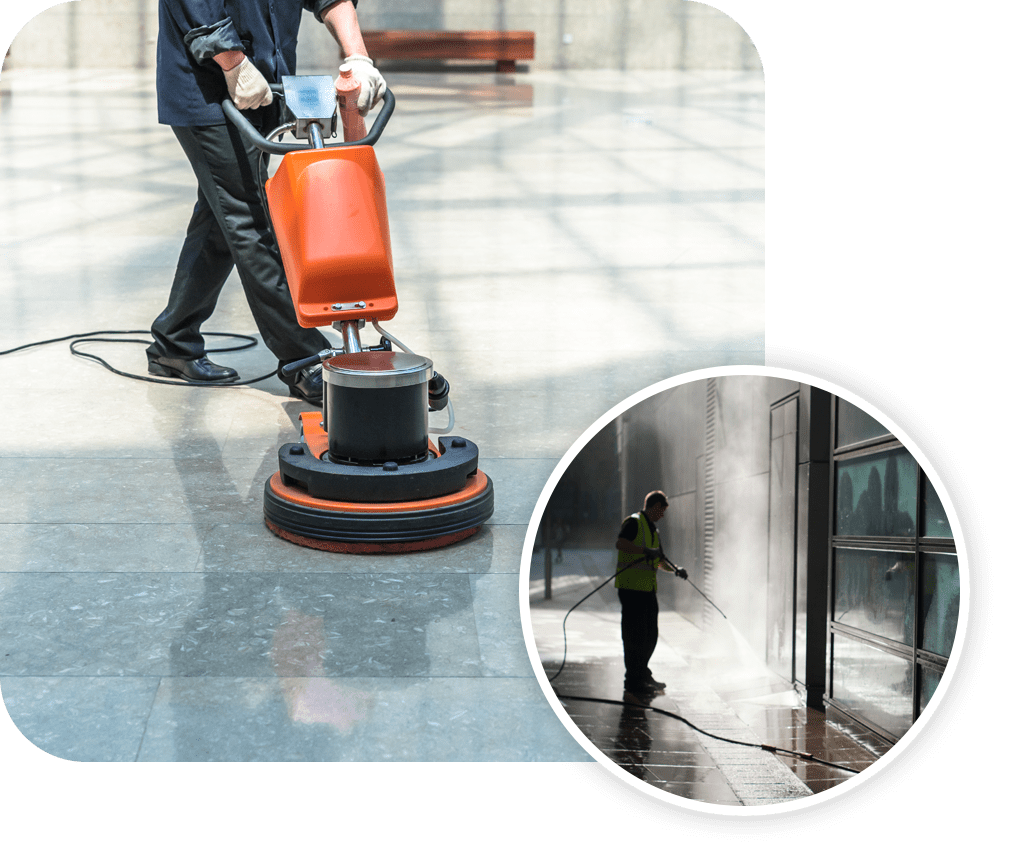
245,83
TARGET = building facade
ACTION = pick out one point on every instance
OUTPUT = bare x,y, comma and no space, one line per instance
808,523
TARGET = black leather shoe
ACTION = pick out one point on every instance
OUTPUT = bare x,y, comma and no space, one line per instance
200,369
306,384
657,685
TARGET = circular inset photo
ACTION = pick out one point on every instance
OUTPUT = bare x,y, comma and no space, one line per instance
742,589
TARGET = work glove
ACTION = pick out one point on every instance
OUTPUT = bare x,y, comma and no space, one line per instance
247,86
369,78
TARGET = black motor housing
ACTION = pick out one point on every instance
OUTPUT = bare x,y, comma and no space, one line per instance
376,407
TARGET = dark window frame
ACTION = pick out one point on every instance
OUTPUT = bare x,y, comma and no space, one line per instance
918,545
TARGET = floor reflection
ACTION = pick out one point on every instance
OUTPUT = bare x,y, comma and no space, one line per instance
148,614
715,682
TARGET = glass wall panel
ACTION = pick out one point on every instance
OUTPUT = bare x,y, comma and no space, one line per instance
855,425
875,591
876,685
929,679
935,520
939,597
876,495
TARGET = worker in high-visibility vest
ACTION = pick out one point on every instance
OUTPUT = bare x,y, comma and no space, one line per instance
639,558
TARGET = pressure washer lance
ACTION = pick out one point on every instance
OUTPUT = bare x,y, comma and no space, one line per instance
682,574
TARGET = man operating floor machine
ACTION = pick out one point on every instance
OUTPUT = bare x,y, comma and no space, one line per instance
365,477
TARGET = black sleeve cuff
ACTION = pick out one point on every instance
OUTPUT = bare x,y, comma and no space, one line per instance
206,42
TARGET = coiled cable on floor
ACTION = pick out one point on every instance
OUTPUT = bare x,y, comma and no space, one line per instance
104,336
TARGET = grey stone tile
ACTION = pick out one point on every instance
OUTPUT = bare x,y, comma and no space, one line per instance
133,544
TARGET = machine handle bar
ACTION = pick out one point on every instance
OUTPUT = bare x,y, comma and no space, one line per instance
279,149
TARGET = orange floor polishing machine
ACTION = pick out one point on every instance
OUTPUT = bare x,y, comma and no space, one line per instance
366,476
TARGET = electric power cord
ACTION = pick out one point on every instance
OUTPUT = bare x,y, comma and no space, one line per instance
681,573
103,336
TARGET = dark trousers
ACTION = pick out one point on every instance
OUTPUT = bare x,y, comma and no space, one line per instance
229,228
639,633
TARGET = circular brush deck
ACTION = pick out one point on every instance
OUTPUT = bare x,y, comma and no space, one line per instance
393,527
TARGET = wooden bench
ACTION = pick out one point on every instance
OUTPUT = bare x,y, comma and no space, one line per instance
502,46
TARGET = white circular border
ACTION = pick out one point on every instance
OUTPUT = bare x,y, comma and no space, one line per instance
751,811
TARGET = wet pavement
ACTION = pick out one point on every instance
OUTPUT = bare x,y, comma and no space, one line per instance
713,680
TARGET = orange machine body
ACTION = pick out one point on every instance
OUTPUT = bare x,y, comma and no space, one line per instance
329,213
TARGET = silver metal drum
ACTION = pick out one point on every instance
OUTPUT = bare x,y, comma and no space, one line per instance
375,406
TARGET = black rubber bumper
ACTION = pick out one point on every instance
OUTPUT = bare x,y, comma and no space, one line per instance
369,526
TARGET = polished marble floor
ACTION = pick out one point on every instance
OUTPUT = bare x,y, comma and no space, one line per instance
561,240
713,679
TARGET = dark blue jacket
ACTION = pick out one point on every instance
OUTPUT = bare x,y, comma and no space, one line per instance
189,84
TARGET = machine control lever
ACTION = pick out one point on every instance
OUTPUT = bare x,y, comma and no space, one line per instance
297,365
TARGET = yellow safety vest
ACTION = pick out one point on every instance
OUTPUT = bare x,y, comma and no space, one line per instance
640,574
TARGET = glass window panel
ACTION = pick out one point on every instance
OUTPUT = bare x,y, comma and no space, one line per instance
876,495
854,425
939,597
874,684
935,520
929,679
875,591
